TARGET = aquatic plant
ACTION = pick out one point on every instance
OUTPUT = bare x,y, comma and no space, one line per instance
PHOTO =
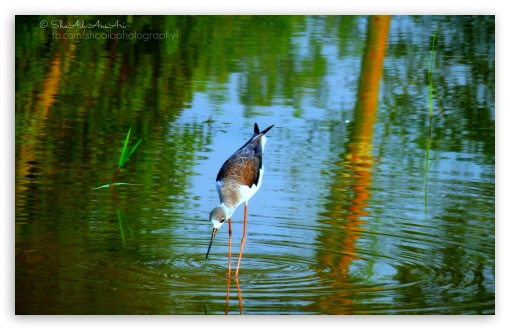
432,90
124,156
126,153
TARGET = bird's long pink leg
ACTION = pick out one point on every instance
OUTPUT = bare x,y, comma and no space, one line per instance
229,244
243,240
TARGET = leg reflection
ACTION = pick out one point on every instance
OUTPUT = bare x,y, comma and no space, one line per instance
238,294
240,297
229,244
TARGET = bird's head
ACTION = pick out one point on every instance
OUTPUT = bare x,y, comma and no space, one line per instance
218,216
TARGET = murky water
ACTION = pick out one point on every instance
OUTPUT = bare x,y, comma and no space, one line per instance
367,206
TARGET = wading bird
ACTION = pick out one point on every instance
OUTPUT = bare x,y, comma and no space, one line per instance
238,180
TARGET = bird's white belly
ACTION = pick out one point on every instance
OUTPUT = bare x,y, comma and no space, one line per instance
247,192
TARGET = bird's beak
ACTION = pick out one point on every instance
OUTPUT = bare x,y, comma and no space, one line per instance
210,243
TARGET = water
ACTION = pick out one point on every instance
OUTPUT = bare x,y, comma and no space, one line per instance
347,221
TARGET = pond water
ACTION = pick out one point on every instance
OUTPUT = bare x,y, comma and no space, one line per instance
378,194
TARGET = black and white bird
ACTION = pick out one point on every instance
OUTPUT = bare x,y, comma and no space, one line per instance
238,180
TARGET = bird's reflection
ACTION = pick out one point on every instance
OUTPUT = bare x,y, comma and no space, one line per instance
229,280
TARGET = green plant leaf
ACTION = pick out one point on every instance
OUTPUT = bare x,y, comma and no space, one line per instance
100,187
125,183
134,148
124,156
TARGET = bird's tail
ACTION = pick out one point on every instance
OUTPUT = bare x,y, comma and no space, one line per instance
257,131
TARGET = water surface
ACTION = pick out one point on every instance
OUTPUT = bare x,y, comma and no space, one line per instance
368,206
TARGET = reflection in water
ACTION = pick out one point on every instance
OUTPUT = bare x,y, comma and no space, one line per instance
229,280
371,252
353,176
37,122
120,216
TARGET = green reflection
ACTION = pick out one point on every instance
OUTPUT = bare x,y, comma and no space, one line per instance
76,98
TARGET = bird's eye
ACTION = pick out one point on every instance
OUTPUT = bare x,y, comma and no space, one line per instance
222,220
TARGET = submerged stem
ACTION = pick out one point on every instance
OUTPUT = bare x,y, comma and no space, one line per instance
116,175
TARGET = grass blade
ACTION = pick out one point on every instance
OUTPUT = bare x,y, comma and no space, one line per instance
134,148
100,187
124,156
